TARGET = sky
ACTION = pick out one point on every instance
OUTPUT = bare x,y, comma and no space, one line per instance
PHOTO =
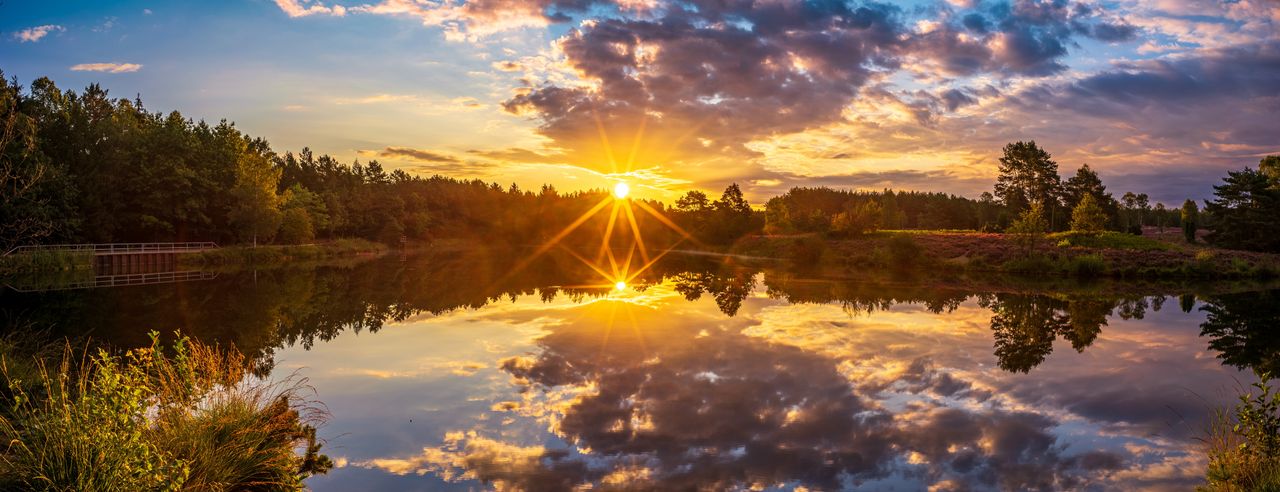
1159,96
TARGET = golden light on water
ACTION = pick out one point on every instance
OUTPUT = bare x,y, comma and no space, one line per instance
621,190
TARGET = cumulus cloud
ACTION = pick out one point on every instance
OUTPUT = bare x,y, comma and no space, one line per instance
303,8
728,91
33,34
106,67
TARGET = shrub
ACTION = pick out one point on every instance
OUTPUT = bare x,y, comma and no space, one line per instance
148,420
1244,448
807,251
904,251
1087,266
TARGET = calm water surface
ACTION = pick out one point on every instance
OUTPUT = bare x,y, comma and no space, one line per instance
447,373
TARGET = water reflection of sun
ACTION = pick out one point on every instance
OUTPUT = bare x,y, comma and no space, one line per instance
616,273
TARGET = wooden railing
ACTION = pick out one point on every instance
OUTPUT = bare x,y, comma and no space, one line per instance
116,248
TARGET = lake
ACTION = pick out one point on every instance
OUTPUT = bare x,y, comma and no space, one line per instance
463,371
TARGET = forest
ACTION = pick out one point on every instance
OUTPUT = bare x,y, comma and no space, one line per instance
88,168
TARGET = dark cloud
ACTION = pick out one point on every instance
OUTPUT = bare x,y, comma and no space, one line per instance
724,73
1213,75
1113,33
954,99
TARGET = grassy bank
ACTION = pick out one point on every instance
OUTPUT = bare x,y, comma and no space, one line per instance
45,261
1243,444
1069,254
151,419
271,254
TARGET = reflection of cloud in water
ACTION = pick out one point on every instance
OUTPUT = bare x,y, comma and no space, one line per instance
799,395
675,395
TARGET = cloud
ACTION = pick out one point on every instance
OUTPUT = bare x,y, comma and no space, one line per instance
33,34
303,8
417,155
106,67
741,91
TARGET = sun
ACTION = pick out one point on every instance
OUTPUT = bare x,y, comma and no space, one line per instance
620,285
621,190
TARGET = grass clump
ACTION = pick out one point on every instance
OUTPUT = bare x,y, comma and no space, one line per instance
1107,240
183,419
1086,266
1244,447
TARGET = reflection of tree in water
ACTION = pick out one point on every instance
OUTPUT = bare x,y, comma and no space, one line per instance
863,297
1026,325
728,287
1245,329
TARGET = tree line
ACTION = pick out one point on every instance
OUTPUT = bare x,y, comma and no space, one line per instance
86,167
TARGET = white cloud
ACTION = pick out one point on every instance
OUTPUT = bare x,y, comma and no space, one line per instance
33,34
303,8
106,67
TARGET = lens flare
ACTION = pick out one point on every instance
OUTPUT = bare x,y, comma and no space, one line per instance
621,190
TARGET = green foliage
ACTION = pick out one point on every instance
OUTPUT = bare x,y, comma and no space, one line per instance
1088,215
1244,448
153,420
904,251
857,218
1029,176
1190,215
295,227
719,222
1028,231
805,210
1108,240
45,261
1246,212
1086,182
255,211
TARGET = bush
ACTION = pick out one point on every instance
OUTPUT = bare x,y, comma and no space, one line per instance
807,251
904,251
1087,266
148,420
1244,448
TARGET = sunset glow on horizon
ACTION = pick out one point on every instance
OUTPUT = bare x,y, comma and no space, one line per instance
918,94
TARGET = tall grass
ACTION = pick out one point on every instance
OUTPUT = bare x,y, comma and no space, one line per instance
1243,445
151,419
